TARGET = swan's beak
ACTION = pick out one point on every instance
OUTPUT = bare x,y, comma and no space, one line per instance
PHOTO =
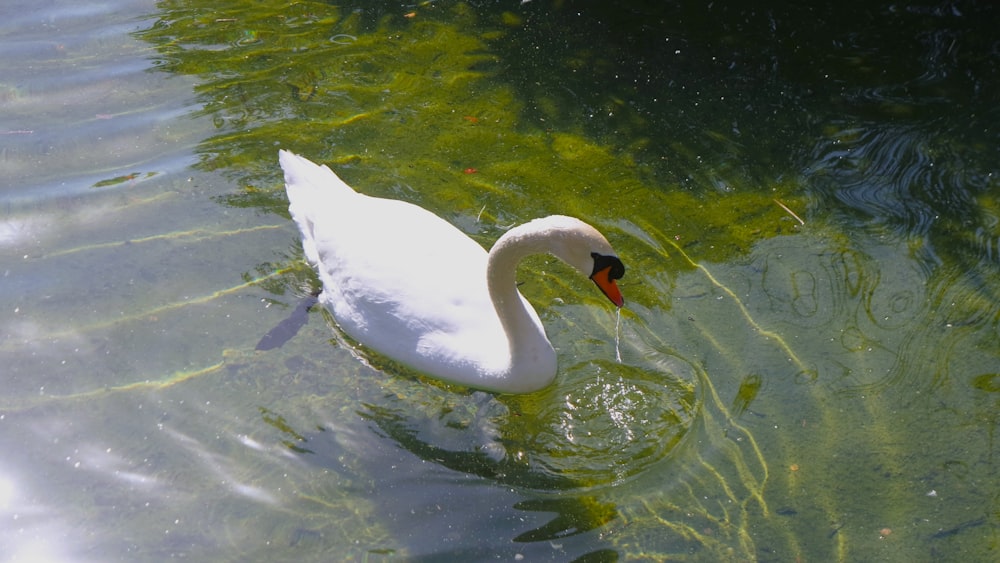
608,286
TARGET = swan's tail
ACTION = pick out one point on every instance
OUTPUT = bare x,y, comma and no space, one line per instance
313,190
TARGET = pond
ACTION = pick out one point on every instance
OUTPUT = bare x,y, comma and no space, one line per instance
806,200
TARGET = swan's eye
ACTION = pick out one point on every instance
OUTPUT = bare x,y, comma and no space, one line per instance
602,262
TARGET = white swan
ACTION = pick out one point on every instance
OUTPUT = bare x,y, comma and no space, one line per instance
411,286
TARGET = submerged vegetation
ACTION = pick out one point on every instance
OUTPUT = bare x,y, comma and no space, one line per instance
444,100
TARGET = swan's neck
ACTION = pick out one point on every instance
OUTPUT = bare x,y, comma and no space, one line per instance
532,358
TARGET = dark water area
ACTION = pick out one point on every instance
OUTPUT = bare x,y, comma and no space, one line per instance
884,113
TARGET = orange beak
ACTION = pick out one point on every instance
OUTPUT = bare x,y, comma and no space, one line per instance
608,286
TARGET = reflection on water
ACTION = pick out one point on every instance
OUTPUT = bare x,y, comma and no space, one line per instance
805,198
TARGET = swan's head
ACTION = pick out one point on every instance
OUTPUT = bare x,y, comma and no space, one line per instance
583,247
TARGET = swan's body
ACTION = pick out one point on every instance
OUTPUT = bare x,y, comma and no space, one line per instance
411,286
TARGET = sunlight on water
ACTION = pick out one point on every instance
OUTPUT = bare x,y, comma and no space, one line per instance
7,491
32,532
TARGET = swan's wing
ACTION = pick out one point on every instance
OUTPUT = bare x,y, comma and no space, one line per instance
411,286
406,283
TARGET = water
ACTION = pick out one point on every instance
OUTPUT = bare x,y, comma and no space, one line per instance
618,335
805,200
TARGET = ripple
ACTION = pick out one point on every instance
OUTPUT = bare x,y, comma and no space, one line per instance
927,181
613,421
876,171
343,39
249,37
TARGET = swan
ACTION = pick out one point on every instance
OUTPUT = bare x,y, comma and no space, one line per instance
412,287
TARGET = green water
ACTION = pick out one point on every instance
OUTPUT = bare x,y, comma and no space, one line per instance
805,200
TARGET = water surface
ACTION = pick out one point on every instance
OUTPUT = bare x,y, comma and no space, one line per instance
805,199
